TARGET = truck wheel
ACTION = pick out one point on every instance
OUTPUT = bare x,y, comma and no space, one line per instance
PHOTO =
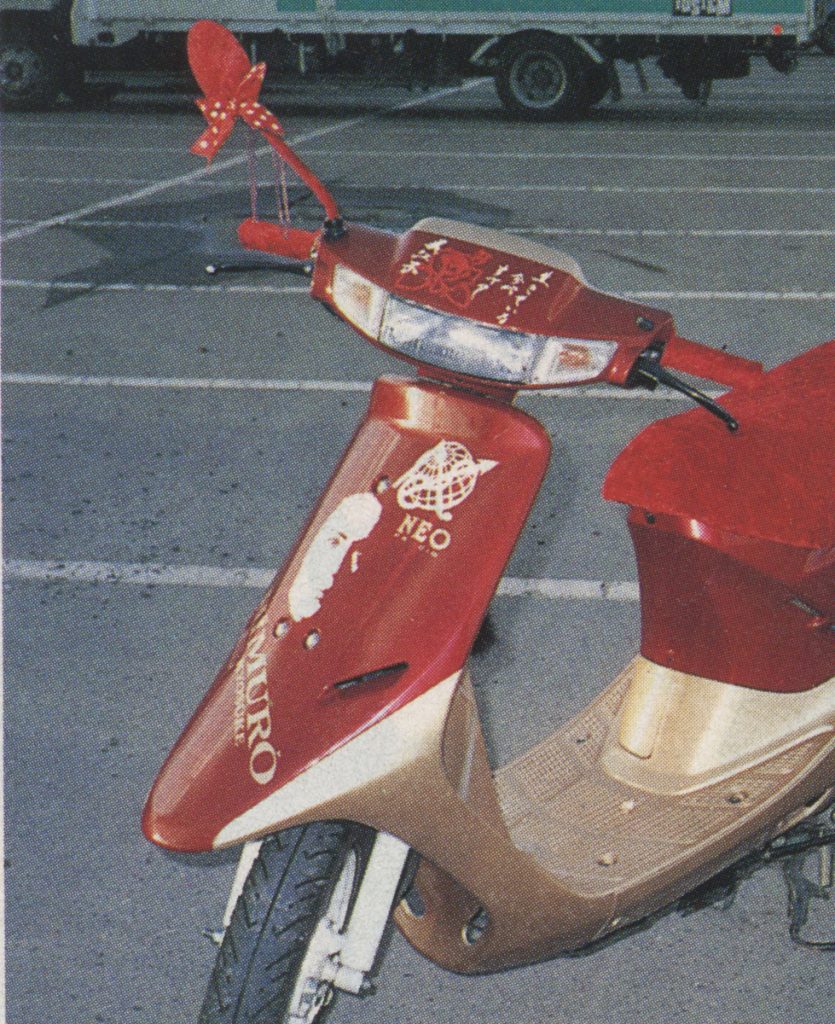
28,76
304,878
542,78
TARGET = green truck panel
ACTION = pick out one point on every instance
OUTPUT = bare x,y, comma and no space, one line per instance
612,8
123,19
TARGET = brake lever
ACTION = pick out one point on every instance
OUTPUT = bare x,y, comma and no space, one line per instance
648,372
287,266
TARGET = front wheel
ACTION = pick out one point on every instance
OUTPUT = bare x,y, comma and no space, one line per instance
300,890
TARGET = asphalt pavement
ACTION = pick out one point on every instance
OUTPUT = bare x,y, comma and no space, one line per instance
167,433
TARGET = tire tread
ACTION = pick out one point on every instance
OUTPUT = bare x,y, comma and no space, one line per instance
281,902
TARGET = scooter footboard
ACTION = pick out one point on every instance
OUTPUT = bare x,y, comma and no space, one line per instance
380,602
593,845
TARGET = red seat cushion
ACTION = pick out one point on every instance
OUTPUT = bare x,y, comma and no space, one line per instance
772,479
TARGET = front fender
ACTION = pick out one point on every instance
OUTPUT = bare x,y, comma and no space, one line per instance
380,602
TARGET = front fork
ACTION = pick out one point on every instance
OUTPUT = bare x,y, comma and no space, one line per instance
351,952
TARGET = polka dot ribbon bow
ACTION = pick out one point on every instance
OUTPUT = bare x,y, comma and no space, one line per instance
221,114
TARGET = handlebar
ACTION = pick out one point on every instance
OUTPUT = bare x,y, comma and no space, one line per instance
710,363
293,244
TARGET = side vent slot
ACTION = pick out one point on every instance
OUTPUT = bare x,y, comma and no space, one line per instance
369,677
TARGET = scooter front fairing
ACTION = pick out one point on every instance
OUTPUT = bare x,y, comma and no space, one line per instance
380,601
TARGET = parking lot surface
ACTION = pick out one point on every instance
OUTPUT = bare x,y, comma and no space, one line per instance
166,435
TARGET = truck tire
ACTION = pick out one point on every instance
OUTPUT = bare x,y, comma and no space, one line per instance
543,78
28,74
301,877
826,36
84,95
598,83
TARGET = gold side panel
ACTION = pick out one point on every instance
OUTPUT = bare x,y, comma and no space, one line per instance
678,732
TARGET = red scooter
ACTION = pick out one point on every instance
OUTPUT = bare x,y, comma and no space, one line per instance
341,741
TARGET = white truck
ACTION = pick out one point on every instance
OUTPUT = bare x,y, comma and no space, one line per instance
550,58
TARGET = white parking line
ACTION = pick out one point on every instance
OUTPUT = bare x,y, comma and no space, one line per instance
566,130
183,225
689,190
87,179
507,186
268,289
91,148
201,173
132,286
570,590
185,383
155,574
679,232
106,223
773,99
597,155
598,392
524,155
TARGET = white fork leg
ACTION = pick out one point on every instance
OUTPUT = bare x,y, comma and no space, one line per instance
341,952
372,906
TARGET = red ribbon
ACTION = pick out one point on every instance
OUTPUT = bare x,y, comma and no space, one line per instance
222,114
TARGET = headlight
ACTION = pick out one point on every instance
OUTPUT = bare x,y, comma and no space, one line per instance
491,353
359,300
461,345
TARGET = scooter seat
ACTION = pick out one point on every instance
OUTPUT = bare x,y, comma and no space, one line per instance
772,479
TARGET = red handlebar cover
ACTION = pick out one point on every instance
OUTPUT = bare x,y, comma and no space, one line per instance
278,239
710,363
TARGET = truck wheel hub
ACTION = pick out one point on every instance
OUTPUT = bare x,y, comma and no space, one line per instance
18,68
539,79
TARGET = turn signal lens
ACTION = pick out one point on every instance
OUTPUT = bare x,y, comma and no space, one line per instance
359,300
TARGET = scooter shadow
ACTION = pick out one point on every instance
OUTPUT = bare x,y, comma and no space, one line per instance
214,859
148,255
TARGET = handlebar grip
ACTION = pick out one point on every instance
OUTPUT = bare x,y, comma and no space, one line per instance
276,239
710,363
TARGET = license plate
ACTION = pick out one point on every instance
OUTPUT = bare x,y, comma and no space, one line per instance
702,8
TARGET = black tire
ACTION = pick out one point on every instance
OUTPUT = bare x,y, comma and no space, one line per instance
697,89
598,83
28,74
84,95
542,78
285,895
826,36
